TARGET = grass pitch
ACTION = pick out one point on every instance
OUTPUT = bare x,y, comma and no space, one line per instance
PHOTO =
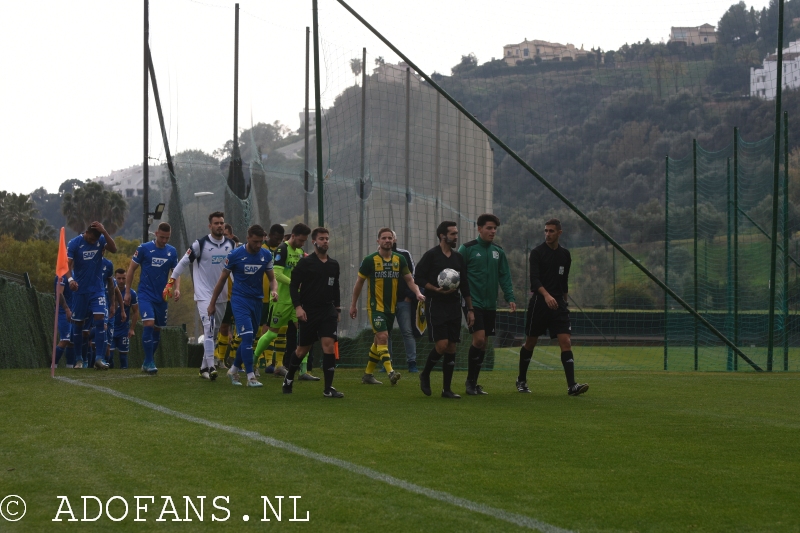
641,451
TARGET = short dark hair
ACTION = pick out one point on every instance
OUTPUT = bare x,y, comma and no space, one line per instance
228,227
120,271
317,231
442,229
236,239
276,229
488,217
216,214
384,230
257,231
300,229
93,231
164,226
553,222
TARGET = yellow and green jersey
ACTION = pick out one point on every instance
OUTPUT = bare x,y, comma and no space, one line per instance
272,250
286,259
383,278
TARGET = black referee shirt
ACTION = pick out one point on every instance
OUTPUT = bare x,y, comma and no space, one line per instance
550,269
442,307
315,285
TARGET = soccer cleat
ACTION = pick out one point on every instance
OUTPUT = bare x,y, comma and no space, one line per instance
78,364
234,379
287,386
578,389
152,370
280,372
100,364
110,364
212,373
394,377
220,364
522,386
270,369
333,393
480,391
204,373
369,379
253,382
425,384
308,377
144,369
412,367
450,394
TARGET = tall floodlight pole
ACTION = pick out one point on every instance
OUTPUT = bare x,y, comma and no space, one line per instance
236,85
408,159
145,148
318,117
775,193
362,182
305,125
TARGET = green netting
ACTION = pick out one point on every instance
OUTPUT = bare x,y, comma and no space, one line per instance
26,317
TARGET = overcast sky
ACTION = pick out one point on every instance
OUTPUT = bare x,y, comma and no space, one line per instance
71,103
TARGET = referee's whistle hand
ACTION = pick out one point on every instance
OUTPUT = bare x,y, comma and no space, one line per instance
551,302
353,312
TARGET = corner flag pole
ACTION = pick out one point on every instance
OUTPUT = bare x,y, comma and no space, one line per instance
62,267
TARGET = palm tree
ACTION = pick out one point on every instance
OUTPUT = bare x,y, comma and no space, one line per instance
379,61
94,202
355,66
18,216
44,231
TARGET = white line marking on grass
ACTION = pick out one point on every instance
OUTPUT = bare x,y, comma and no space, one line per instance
513,518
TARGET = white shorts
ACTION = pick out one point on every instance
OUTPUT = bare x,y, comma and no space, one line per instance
202,310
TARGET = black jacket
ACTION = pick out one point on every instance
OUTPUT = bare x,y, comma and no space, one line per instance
315,285
550,269
444,307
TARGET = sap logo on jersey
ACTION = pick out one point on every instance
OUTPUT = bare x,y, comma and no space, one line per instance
217,259
158,261
88,255
251,269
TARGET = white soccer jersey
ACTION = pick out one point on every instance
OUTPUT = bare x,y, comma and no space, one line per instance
210,260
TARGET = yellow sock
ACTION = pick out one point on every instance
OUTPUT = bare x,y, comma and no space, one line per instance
373,359
383,354
222,346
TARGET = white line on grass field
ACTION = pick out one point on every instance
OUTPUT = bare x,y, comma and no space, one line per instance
513,518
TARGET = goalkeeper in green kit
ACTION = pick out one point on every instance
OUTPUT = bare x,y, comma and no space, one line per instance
283,314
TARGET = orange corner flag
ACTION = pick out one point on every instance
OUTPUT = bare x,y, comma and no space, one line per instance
62,266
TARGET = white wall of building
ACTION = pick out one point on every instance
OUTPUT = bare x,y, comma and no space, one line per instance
763,81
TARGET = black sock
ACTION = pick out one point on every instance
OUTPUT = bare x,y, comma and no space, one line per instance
474,363
569,367
524,361
433,358
328,367
448,367
291,345
310,361
294,366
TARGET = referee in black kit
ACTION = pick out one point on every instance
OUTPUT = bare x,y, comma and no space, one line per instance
315,296
547,309
443,307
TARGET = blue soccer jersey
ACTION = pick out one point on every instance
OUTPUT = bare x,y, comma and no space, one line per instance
87,262
67,292
156,265
120,327
248,271
107,272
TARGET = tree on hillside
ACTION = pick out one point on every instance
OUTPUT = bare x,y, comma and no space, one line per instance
262,136
737,25
18,216
70,186
94,202
355,66
44,231
468,62
379,61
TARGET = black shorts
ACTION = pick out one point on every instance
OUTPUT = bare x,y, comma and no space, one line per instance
318,324
484,320
450,330
227,318
541,318
266,313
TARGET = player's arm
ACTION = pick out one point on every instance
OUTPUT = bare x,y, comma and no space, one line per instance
536,284
463,287
112,290
356,293
294,289
223,277
73,285
273,285
565,281
337,302
129,279
505,281
111,246
409,279
63,303
119,300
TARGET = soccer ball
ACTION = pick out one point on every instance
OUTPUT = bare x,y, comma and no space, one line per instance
449,279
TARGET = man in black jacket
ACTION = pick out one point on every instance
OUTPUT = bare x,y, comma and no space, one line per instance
443,307
315,294
547,310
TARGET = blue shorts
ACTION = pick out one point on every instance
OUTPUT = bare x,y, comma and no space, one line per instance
84,306
120,343
153,310
64,328
246,314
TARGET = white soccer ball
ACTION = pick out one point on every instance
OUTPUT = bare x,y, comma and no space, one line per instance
449,279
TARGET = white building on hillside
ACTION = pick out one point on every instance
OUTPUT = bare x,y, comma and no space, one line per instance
763,81
128,181
513,54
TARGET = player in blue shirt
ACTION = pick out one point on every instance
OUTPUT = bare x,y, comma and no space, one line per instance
85,257
64,319
124,323
248,264
113,299
157,259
